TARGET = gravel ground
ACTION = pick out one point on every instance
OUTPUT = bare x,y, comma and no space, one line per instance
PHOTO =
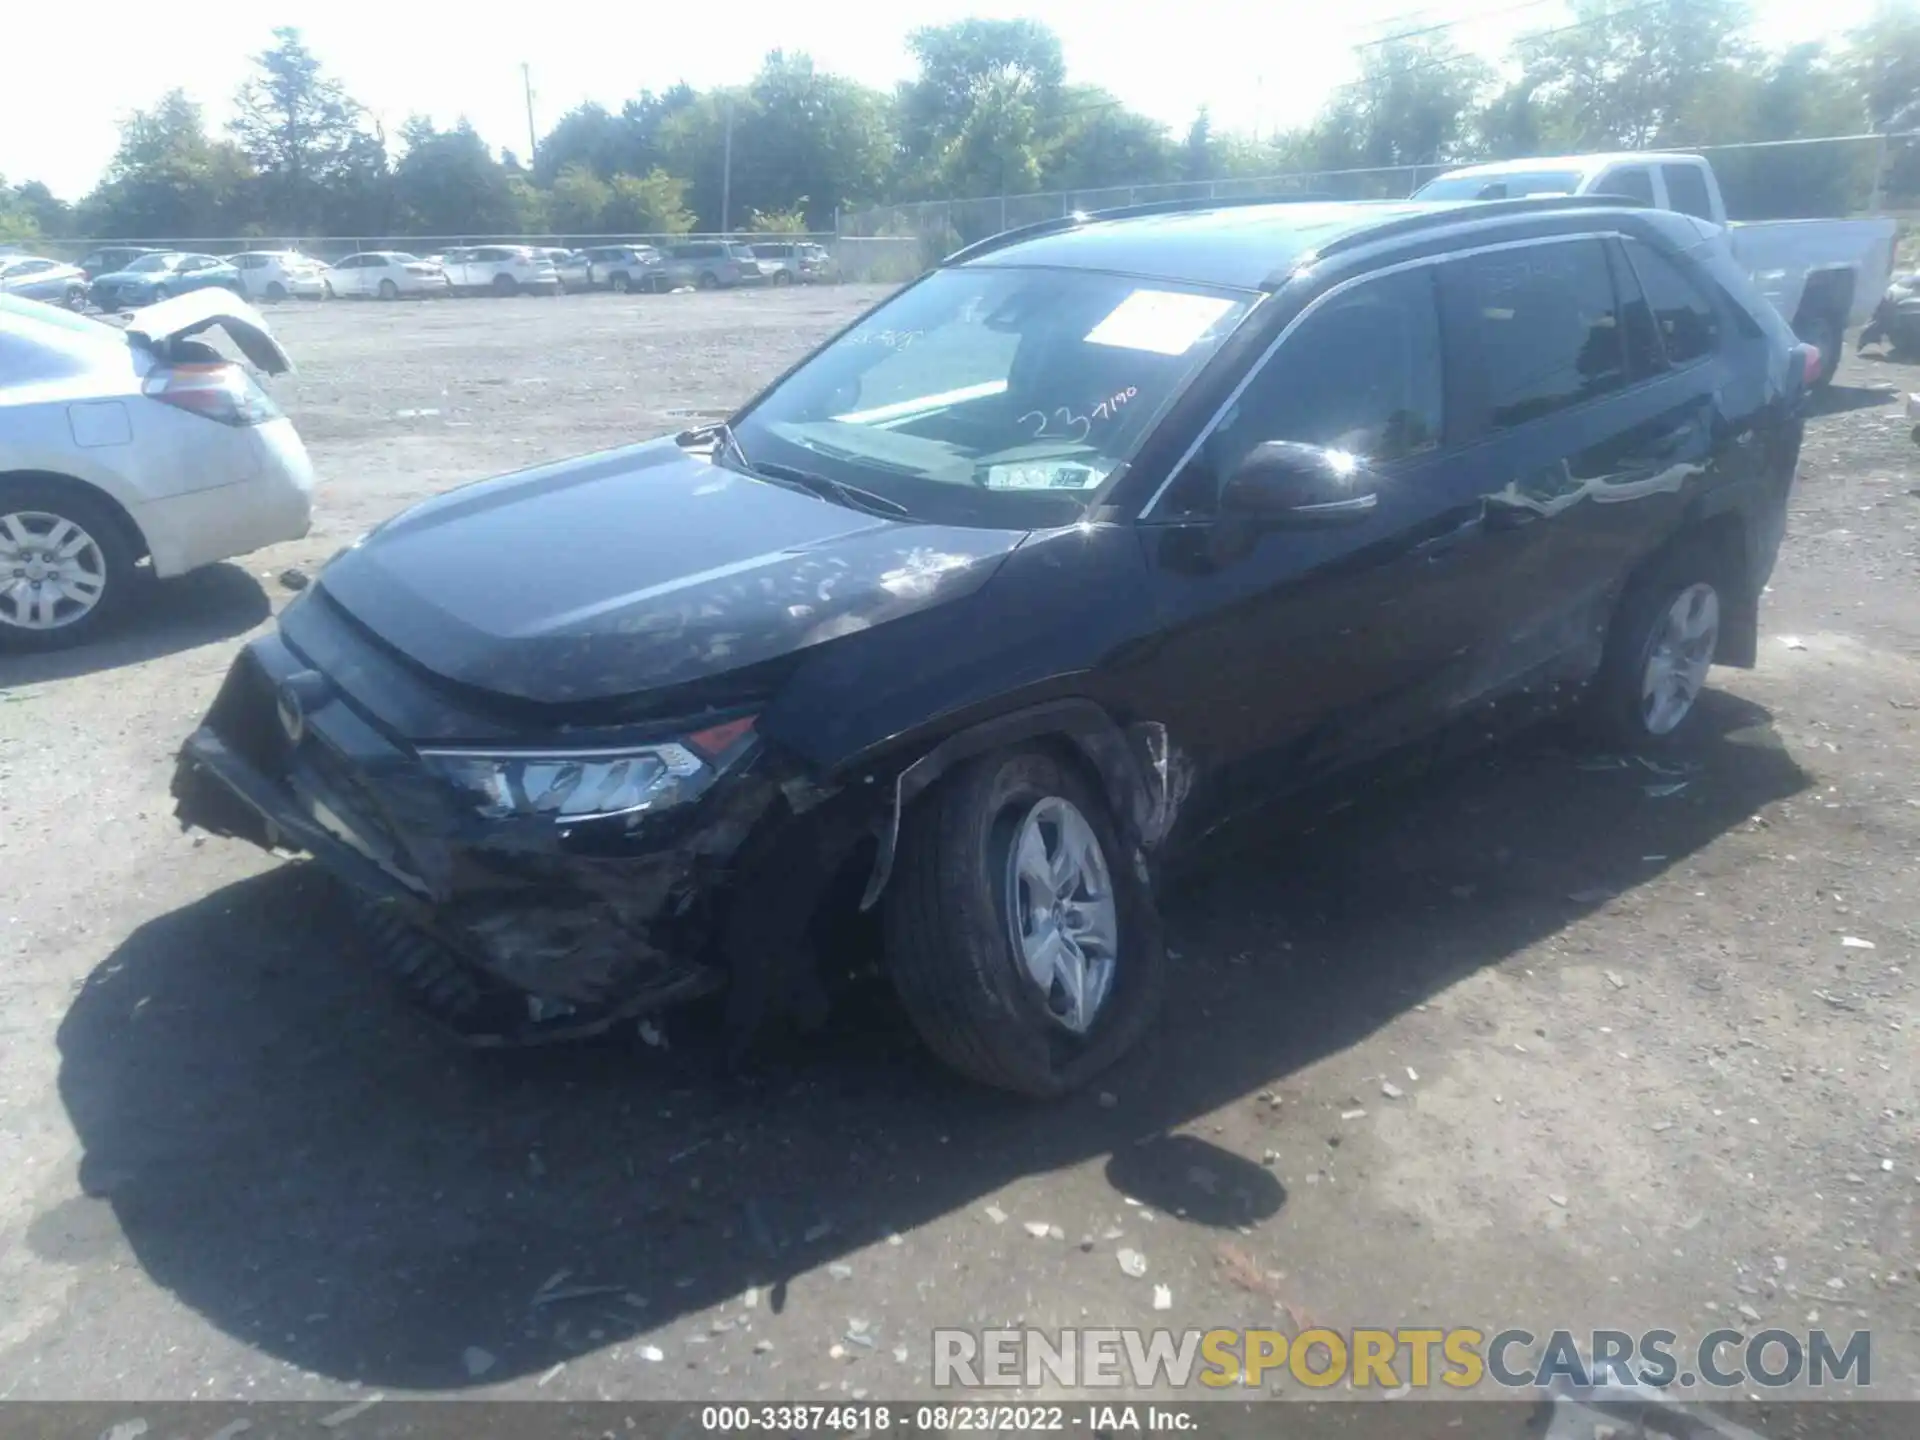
1527,1044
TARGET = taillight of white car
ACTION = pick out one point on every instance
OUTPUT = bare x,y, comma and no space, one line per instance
224,392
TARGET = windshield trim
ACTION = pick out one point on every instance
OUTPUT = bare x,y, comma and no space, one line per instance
1255,300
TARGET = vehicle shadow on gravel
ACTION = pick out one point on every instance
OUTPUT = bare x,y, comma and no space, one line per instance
1840,399
199,608
295,1157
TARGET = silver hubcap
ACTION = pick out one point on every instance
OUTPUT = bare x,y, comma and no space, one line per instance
52,572
1677,663
1060,911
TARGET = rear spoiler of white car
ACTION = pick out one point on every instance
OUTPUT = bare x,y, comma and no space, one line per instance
158,326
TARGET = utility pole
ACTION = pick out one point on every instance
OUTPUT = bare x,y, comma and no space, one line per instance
526,84
726,171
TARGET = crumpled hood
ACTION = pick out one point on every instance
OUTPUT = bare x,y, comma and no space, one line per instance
638,569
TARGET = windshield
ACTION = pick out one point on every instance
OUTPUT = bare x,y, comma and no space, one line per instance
156,262
991,395
1500,187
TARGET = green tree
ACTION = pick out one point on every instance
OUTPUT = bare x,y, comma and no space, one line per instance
18,223
1882,61
1196,152
303,133
578,200
168,180
650,204
1097,142
978,79
807,139
997,149
778,222
1410,107
448,183
1623,75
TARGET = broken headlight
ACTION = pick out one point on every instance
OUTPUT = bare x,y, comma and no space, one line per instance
572,785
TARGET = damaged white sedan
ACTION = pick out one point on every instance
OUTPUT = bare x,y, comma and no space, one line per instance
143,443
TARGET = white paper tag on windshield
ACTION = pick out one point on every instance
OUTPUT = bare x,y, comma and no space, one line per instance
1043,475
1162,321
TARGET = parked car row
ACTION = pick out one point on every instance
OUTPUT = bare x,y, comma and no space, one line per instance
117,277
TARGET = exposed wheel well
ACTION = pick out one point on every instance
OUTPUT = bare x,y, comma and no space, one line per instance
129,531
1828,294
1724,537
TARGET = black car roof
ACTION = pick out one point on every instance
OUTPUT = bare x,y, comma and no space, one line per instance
1246,246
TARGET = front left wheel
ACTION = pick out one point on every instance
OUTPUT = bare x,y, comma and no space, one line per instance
66,566
1022,941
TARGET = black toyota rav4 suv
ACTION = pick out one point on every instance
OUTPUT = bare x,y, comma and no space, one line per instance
1100,533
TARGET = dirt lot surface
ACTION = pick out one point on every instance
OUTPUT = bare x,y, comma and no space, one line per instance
1541,1042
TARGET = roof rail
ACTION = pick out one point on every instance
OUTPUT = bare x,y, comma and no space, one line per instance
1469,211
1120,212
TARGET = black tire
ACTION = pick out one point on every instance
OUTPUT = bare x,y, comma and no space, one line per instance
108,530
326,290
1617,707
782,277
1828,335
160,292
619,283
708,280
389,290
276,291
505,285
76,297
949,947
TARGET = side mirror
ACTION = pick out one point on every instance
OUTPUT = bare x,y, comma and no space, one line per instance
1284,482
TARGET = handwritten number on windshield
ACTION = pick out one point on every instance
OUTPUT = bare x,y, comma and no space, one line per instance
1063,424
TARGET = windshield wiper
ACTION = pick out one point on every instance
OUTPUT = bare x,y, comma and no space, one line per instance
838,491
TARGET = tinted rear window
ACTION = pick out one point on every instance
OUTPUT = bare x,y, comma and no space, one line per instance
1685,319
1687,190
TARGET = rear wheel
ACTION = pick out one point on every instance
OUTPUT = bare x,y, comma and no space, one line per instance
708,280
161,292
389,290
1023,943
76,297
1659,649
620,283
276,291
782,277
66,565
505,285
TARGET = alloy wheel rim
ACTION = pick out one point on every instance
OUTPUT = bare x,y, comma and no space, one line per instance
1679,658
52,572
1061,915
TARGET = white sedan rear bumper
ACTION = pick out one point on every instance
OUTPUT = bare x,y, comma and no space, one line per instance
273,503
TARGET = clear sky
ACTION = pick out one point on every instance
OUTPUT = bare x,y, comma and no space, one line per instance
66,78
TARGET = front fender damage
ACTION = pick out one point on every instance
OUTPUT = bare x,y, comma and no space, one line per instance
1145,777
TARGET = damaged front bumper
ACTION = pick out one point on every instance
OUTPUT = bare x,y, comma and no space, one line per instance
573,925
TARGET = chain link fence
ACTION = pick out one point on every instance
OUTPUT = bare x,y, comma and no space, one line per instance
1762,180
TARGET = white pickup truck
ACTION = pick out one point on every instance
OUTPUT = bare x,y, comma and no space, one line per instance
1824,276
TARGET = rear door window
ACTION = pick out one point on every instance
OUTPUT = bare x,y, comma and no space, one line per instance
1688,326
1687,191
1635,182
1547,332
